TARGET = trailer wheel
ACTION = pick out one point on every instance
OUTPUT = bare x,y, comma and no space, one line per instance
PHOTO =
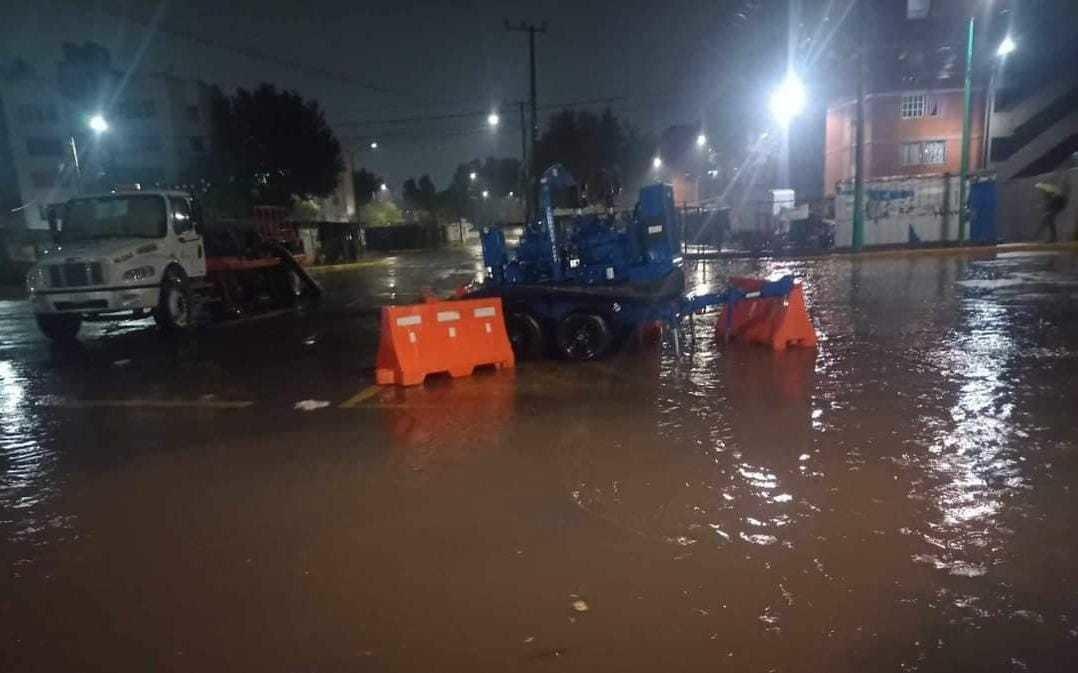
59,328
525,336
175,307
584,336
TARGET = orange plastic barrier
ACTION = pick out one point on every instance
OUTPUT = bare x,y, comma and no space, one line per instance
441,336
775,321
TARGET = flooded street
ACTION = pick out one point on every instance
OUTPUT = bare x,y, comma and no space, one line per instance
901,498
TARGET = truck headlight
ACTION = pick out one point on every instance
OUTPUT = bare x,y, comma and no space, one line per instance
35,280
139,273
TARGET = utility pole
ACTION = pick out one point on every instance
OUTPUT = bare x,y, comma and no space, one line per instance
531,30
859,148
524,149
967,123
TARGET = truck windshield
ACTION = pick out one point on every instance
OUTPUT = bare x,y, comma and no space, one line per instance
138,216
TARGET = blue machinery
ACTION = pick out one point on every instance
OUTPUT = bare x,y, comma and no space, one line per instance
580,283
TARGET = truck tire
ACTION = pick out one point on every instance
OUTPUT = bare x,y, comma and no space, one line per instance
525,336
175,307
584,336
59,328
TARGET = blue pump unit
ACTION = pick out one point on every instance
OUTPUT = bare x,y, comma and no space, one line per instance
581,281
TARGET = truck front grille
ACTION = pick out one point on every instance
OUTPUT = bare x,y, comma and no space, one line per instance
80,274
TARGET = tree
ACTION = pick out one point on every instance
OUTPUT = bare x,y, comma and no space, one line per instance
274,146
366,185
427,193
380,214
410,193
603,154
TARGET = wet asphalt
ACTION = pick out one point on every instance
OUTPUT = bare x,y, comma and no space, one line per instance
900,498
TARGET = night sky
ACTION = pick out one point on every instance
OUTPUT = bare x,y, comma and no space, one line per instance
664,62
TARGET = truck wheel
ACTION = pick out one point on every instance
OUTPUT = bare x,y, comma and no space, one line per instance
525,336
175,307
584,336
59,327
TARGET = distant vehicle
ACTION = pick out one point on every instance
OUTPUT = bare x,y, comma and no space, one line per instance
132,253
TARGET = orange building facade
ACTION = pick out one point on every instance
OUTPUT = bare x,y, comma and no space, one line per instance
906,133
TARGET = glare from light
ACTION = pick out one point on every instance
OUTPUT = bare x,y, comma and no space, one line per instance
1006,47
788,100
98,124
701,140
511,195
472,176
384,187
493,120
657,163
486,194
374,144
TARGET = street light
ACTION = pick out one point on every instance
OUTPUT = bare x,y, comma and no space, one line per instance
657,163
374,144
472,176
98,124
493,120
511,195
486,194
383,187
701,140
788,100
1006,47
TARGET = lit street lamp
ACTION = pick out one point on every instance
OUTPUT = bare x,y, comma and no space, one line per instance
98,124
472,176
788,100
486,194
701,140
493,120
374,144
1006,47
657,163
383,187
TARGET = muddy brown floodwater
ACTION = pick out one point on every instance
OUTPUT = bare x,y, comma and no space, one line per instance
901,498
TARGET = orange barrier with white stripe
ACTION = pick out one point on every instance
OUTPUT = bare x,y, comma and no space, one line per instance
777,322
453,337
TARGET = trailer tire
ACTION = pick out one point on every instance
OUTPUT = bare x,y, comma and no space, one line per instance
584,336
175,307
59,328
525,336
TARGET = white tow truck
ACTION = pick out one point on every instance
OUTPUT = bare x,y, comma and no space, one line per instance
131,253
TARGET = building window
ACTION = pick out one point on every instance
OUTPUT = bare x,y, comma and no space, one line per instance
919,105
192,113
197,144
44,147
43,179
928,153
30,113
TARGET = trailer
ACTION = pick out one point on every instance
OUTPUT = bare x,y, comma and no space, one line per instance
133,253
582,281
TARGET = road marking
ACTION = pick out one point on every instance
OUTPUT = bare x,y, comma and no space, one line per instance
146,404
360,397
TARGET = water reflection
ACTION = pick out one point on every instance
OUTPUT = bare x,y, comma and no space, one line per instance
973,457
23,460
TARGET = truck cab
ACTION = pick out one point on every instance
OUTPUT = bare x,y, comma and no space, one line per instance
119,255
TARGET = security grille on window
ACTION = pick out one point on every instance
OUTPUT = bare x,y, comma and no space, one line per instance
934,152
913,107
919,105
929,153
